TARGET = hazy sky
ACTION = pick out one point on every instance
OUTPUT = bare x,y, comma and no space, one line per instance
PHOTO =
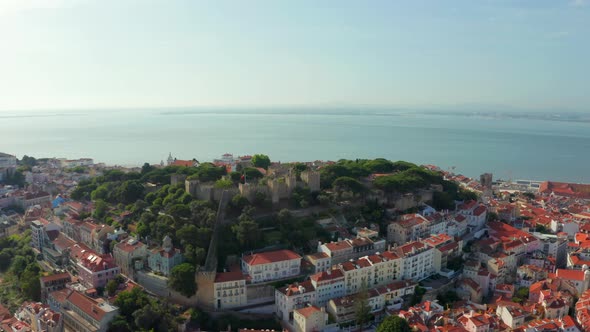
124,53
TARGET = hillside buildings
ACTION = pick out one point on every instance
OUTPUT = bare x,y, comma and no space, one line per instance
272,265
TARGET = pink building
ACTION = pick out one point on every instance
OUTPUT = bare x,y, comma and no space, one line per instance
96,270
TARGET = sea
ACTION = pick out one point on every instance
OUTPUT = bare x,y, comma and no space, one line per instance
511,147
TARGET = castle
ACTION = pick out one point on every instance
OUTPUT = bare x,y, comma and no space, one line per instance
277,185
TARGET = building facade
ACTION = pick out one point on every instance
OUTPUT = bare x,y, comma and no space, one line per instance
272,265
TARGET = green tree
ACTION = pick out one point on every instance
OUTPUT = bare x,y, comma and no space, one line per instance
18,266
362,310
223,184
194,255
100,210
29,162
146,318
417,296
379,165
247,232
5,259
130,301
15,179
129,192
29,282
112,287
442,201
182,279
187,234
345,183
252,174
449,297
284,216
235,177
261,160
146,168
299,168
119,324
179,211
394,324
521,294
239,202
100,193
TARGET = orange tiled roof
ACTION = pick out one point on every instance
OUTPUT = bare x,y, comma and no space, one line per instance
270,257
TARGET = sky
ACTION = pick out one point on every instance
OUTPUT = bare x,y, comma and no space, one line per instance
72,54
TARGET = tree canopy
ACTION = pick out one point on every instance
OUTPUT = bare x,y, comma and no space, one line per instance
394,324
261,160
345,183
182,279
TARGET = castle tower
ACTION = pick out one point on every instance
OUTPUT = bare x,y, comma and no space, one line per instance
312,179
291,180
167,244
170,159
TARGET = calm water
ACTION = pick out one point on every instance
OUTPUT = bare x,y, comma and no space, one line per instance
510,148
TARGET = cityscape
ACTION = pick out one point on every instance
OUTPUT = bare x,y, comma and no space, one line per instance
242,242
294,166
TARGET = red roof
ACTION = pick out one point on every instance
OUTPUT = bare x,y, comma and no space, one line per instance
229,276
407,248
308,311
297,288
54,277
60,295
479,210
389,255
570,274
467,205
327,275
127,247
87,305
270,257
184,163
336,246
565,189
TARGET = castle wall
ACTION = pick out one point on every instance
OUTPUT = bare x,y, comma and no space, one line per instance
177,179
311,179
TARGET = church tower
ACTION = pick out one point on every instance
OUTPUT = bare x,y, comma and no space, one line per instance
167,244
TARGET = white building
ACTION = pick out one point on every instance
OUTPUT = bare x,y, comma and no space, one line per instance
417,260
409,227
230,290
475,213
40,231
511,315
444,248
348,249
291,297
272,265
130,254
371,271
320,261
85,314
310,319
328,285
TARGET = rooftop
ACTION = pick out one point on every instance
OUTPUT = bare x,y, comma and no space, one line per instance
308,311
270,257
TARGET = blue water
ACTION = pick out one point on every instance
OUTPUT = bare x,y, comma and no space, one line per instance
511,148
